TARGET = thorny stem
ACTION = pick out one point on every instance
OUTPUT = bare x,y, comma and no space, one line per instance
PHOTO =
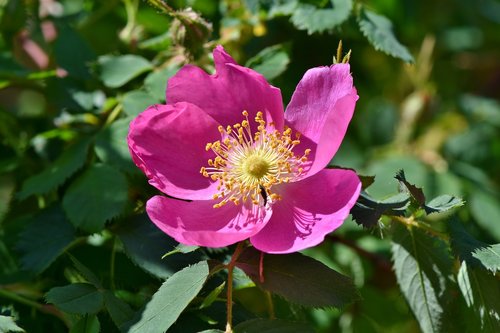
230,268
112,265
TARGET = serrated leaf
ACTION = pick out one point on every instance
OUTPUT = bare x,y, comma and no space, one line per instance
271,326
7,325
481,291
111,146
145,245
489,257
171,299
442,204
136,101
118,70
87,324
415,192
367,210
473,251
79,298
119,311
313,19
86,272
299,279
270,62
70,161
422,264
43,240
282,8
95,197
378,30
156,82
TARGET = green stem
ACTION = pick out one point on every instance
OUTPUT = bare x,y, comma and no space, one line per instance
45,308
112,266
230,268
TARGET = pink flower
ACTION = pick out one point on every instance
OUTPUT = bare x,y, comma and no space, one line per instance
250,170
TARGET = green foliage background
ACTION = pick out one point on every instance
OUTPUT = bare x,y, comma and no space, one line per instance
78,254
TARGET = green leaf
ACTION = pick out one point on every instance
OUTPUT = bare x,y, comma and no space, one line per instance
43,240
367,210
473,251
111,146
80,298
486,210
119,311
299,279
157,43
145,245
171,299
481,291
309,17
489,257
270,62
7,324
95,197
212,296
481,109
271,326
442,204
422,264
378,30
87,324
86,272
71,51
70,161
415,192
136,101
156,82
118,70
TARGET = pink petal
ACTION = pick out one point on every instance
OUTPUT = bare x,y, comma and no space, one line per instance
198,223
168,143
309,209
321,109
227,93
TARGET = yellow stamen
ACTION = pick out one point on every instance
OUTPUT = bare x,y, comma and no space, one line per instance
247,165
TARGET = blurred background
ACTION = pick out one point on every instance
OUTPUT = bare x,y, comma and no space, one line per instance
73,73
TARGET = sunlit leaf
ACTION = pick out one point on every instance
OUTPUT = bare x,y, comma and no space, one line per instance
156,82
136,101
299,279
171,299
481,291
313,19
378,30
111,146
270,62
422,264
442,204
80,298
7,325
118,70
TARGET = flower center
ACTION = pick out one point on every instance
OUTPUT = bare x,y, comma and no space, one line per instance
256,166
247,165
